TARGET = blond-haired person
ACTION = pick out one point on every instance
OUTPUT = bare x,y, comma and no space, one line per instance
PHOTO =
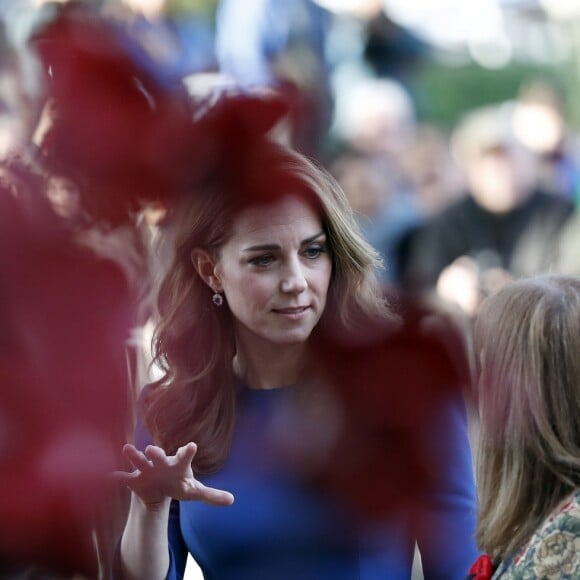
527,340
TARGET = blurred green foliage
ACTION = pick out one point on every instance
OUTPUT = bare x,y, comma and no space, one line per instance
178,8
444,93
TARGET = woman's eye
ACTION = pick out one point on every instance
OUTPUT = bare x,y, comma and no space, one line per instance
262,261
313,252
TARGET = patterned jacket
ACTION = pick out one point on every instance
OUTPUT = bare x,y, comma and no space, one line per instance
552,553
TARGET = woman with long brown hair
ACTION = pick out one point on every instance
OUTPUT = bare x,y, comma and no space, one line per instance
268,262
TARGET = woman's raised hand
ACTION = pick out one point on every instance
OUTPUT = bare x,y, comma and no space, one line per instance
158,476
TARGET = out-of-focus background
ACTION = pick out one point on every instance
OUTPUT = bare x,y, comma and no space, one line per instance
447,56
407,102
452,125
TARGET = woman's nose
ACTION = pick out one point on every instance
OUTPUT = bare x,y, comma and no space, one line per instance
293,280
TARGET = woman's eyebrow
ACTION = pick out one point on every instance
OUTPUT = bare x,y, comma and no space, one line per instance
312,238
271,247
262,247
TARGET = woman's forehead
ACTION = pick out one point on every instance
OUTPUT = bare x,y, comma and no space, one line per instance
288,214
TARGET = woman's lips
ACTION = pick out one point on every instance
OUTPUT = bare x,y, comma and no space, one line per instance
293,313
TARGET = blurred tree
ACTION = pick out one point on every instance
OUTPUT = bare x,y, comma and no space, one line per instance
446,93
178,8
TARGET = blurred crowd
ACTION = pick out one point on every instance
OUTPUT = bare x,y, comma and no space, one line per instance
87,173
418,186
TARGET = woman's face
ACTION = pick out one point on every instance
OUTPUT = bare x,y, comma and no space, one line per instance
275,272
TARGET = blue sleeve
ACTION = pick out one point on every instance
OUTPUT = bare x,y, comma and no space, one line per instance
177,547
446,532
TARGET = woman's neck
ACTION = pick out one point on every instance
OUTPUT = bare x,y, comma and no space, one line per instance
270,366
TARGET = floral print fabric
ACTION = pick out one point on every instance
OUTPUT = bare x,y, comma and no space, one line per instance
553,552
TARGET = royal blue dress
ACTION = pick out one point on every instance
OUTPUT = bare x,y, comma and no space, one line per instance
282,526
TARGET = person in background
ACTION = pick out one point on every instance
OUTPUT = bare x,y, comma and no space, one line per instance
285,379
541,124
281,46
103,146
64,402
376,127
506,227
528,470
382,214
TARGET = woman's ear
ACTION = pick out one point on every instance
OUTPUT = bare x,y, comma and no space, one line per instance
204,264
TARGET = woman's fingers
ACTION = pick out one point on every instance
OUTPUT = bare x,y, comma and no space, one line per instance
168,475
210,495
156,455
186,453
137,458
124,477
